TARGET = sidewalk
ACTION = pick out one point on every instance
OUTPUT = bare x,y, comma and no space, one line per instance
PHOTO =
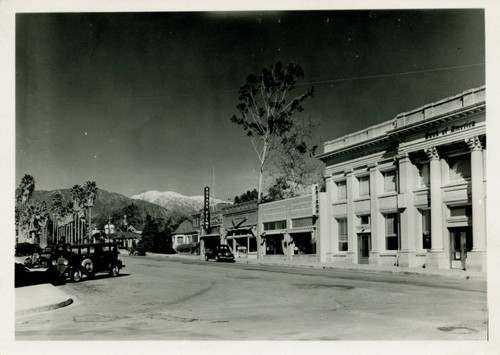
365,268
39,298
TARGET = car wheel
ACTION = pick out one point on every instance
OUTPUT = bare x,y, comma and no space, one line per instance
76,275
44,262
206,257
217,258
88,265
28,262
114,271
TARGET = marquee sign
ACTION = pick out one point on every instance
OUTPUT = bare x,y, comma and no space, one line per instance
206,208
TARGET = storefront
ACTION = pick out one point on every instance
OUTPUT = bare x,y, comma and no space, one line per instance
410,191
239,223
288,228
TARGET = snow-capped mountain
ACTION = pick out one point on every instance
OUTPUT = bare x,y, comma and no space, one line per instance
174,201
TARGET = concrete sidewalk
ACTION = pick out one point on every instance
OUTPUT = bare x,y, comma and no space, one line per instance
39,298
365,268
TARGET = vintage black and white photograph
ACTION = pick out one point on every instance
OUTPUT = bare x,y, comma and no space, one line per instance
194,174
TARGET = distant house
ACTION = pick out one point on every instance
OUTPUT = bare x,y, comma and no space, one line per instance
185,234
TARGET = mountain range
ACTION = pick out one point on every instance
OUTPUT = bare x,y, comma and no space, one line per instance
158,204
171,200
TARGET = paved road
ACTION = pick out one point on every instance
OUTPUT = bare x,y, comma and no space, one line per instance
158,298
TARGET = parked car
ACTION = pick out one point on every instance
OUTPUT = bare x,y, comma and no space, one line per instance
139,249
75,261
39,259
219,252
23,249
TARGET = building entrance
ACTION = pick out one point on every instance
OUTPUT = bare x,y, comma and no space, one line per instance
363,248
461,243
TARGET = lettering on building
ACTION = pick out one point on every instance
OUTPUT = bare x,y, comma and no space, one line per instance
450,129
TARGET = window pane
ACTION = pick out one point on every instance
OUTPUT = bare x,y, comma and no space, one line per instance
390,181
342,229
341,190
391,231
364,186
426,229
302,222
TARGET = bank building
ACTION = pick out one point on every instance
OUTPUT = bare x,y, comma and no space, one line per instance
410,191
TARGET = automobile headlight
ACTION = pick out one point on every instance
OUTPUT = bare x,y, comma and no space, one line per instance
54,262
65,262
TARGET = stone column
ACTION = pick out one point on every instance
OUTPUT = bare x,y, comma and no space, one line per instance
477,258
436,258
407,257
374,216
352,242
324,233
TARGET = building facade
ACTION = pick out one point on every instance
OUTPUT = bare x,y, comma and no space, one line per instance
239,223
185,234
288,229
410,191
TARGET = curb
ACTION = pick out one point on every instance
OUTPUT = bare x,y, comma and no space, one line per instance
50,307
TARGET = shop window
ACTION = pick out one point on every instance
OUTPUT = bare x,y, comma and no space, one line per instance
426,229
459,167
341,190
424,175
274,244
304,243
342,232
364,185
391,231
252,244
269,226
390,181
302,222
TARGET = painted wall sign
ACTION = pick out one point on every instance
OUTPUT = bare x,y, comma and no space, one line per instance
450,129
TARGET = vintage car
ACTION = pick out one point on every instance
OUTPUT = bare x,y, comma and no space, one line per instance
219,252
27,249
75,261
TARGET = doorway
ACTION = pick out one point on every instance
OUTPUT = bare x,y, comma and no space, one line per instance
461,243
363,248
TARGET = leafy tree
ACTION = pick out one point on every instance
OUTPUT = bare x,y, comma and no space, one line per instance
266,108
247,196
156,235
294,160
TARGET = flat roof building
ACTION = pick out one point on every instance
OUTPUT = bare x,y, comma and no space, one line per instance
410,191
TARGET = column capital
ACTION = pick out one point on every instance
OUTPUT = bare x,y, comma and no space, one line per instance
403,157
474,143
432,153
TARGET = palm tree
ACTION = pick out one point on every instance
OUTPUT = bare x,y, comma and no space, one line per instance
33,219
78,195
91,192
23,199
26,188
56,208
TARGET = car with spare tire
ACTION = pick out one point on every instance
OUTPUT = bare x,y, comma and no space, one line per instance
76,261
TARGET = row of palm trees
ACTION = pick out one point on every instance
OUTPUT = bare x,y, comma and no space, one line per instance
70,223
74,221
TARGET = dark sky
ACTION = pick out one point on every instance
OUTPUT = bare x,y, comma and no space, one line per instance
142,101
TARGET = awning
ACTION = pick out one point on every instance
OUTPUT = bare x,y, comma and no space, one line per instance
240,236
209,235
302,230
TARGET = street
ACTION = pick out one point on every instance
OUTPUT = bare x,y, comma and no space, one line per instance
162,298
